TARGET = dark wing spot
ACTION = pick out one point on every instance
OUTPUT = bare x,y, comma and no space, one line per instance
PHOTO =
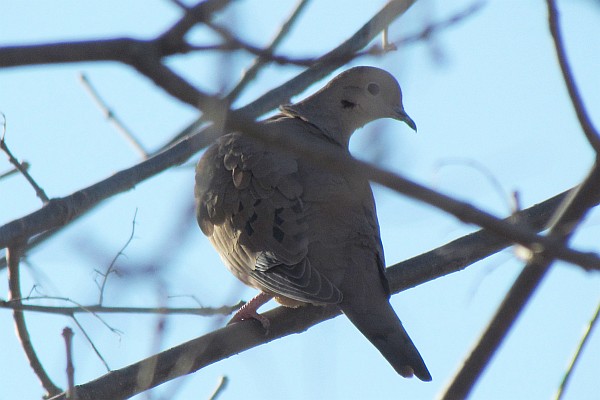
248,227
348,104
278,234
277,219
297,207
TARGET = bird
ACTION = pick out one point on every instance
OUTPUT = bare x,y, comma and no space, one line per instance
301,233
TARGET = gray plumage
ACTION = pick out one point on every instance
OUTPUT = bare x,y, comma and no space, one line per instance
301,233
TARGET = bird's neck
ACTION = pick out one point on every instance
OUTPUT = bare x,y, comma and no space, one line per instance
334,128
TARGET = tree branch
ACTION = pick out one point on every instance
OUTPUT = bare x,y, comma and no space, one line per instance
565,221
584,119
13,255
233,339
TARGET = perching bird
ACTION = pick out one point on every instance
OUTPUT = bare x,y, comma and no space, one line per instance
301,233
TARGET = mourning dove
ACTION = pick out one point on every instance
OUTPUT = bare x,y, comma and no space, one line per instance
301,233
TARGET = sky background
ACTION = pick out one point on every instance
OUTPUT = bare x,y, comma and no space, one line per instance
486,92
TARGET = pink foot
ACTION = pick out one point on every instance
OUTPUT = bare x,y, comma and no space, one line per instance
249,311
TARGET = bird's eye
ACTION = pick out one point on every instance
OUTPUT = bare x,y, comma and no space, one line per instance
373,88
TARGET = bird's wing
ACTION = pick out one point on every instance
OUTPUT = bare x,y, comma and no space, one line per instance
249,202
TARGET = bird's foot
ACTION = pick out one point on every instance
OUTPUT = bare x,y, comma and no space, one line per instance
249,311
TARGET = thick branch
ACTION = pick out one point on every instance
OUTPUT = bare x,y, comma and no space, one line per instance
223,343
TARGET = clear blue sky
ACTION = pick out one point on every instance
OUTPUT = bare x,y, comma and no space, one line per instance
485,91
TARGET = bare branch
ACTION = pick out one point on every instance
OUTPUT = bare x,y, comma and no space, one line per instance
565,220
111,267
89,340
145,56
259,62
24,166
13,255
20,166
98,309
202,12
590,131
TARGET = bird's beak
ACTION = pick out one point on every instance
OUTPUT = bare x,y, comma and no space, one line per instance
401,115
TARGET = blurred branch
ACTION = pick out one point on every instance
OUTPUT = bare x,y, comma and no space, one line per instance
319,69
563,225
112,117
13,255
266,54
582,115
329,62
586,335
100,309
330,157
61,211
22,167
259,62
425,33
144,55
233,339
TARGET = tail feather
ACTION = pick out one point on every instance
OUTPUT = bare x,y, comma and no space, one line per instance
384,330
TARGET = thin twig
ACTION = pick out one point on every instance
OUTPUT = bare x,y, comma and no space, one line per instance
111,267
221,385
586,335
89,340
591,133
99,309
112,117
564,223
13,255
22,167
71,392
234,43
